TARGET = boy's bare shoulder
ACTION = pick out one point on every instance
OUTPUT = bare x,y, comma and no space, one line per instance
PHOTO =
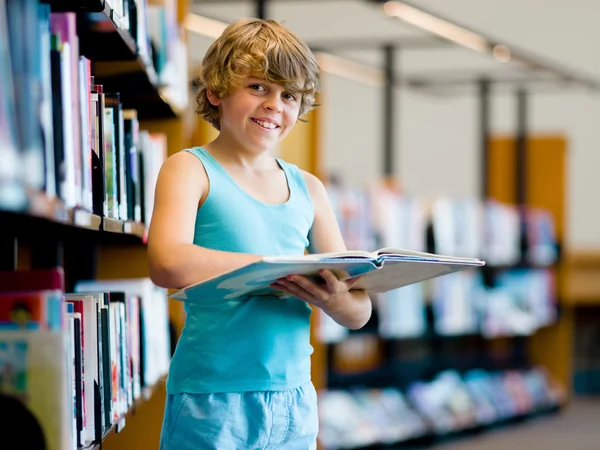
186,167
315,186
184,162
182,159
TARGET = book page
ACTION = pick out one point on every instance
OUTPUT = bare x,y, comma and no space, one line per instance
350,254
391,253
397,273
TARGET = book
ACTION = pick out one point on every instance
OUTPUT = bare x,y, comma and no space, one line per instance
380,271
33,370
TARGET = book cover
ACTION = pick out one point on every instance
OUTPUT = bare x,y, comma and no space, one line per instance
46,119
379,271
85,89
12,192
65,25
32,279
110,160
24,43
57,114
30,361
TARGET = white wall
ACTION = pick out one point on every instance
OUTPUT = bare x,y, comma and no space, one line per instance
438,137
352,138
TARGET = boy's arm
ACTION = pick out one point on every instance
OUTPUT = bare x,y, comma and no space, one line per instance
349,307
174,260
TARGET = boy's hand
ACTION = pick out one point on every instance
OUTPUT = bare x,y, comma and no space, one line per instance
330,296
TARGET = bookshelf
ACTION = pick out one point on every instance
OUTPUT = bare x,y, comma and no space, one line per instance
134,76
547,347
65,239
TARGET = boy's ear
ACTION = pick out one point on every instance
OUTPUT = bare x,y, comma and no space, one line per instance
213,98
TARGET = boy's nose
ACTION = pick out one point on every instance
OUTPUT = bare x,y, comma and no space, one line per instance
273,104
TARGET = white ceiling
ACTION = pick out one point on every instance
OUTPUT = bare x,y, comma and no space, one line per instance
359,22
314,20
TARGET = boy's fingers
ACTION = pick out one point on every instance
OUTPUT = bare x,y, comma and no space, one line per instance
330,279
350,282
297,290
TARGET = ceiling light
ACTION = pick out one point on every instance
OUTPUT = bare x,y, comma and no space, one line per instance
502,53
435,25
351,70
329,63
204,26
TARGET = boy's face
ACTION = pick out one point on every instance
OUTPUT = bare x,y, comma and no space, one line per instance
258,114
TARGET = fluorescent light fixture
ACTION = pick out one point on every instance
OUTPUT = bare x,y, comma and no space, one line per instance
502,53
204,26
329,63
437,26
351,70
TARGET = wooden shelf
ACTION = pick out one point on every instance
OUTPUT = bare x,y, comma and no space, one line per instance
51,216
117,64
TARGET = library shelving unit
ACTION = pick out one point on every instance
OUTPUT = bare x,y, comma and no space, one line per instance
46,234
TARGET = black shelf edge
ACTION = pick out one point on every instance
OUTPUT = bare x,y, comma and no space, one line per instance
101,39
68,223
77,5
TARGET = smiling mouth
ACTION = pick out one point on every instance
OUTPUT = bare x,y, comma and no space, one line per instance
266,125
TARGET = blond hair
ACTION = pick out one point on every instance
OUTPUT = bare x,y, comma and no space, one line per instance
261,48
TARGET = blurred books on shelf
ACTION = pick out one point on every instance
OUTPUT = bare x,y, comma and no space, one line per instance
521,302
514,295
100,350
447,404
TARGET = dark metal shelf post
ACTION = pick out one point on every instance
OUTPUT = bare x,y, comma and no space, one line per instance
261,9
389,109
484,136
521,147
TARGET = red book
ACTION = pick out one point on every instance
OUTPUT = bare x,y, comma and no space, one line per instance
32,280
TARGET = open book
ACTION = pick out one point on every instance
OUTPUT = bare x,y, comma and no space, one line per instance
379,271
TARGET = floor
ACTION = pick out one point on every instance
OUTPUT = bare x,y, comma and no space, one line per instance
577,427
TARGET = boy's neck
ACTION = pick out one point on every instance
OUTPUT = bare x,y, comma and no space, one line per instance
232,153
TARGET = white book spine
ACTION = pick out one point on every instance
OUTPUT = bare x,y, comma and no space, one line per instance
68,183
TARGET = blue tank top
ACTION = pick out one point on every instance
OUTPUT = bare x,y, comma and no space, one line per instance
258,343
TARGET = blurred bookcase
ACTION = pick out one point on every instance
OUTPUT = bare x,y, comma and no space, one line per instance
76,197
377,390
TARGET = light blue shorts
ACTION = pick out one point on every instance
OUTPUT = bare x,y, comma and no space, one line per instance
268,420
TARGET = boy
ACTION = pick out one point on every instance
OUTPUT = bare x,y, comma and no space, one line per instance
240,376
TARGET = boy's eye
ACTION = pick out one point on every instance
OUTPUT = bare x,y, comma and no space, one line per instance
289,96
257,87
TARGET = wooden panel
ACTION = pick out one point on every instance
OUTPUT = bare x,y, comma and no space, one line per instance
546,173
143,426
550,347
501,173
546,177
183,7
203,132
581,277
301,146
